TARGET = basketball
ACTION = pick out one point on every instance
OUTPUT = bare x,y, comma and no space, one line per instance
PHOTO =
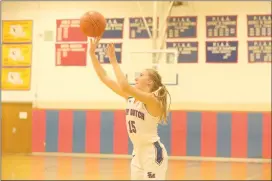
93,24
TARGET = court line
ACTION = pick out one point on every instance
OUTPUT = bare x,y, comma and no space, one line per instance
254,177
257,176
189,158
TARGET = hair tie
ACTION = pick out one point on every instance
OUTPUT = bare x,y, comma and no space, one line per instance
157,91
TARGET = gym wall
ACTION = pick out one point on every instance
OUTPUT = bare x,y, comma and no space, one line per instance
218,109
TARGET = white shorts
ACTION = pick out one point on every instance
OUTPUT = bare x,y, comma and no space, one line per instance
149,162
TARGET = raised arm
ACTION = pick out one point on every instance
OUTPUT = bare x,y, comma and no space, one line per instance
145,97
101,72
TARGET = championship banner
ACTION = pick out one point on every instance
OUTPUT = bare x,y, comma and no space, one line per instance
101,51
222,51
16,55
259,51
16,78
17,31
71,54
68,30
114,28
221,26
188,51
182,27
259,25
137,28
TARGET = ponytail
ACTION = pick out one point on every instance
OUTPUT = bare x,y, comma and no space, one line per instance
161,93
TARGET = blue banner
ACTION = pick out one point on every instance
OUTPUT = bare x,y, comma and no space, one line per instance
114,28
259,51
101,52
137,28
259,25
188,51
221,26
182,27
222,51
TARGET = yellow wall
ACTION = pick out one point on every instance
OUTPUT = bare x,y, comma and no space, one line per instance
240,86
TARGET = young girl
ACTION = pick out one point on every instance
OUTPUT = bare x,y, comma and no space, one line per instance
146,107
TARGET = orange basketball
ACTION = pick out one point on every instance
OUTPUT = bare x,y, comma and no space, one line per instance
93,24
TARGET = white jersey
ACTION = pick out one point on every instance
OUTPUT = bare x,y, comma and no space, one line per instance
141,126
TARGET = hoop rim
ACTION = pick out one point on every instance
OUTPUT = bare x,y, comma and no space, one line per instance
170,50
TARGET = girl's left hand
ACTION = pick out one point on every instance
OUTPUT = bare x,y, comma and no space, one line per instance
94,42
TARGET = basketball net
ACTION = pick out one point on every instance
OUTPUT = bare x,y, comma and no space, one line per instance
164,61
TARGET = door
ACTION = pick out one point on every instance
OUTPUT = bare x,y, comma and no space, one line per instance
16,127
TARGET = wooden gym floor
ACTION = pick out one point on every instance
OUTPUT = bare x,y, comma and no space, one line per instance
29,167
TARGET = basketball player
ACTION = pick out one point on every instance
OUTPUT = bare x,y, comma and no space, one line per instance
146,107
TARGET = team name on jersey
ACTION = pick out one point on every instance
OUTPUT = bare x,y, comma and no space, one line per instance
136,113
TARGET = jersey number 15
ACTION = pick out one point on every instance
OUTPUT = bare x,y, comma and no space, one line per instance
132,127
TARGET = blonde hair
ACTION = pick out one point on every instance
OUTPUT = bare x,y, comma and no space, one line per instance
160,92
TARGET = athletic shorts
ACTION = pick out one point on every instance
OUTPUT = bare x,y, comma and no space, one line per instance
149,162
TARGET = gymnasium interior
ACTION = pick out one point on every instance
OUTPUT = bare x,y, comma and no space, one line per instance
60,122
